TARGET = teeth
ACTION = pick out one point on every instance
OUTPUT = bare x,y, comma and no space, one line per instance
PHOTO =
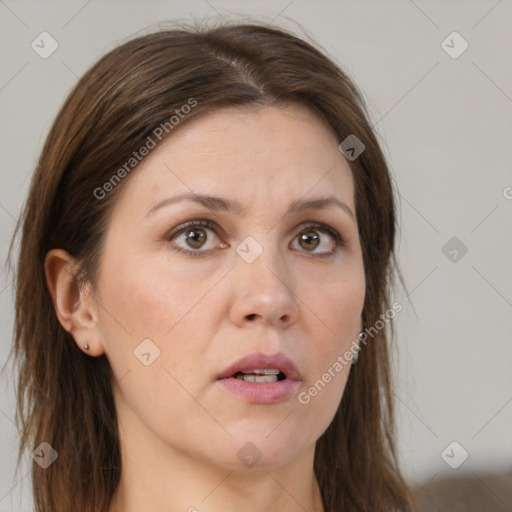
263,371
257,378
258,375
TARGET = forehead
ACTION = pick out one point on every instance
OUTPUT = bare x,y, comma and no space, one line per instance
256,155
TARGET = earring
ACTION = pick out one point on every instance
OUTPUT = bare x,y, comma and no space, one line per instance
86,346
355,357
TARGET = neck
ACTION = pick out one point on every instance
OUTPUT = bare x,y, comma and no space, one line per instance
161,478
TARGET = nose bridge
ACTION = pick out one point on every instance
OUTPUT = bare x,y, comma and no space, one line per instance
262,264
262,282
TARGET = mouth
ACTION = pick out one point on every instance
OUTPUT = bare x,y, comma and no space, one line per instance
261,379
261,376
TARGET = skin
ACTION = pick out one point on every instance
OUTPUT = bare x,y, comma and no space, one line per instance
180,431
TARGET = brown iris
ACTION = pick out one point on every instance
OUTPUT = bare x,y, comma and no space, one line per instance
309,240
195,237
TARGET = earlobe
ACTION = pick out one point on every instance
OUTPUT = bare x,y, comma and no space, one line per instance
355,356
76,314
360,328
359,331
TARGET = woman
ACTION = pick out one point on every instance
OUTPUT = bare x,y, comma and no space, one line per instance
206,251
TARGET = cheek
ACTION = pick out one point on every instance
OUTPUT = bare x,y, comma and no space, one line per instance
178,315
149,301
335,312
168,306
336,303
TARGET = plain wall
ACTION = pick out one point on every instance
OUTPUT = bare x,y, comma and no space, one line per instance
447,127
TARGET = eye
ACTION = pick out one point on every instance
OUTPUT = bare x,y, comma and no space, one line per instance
312,237
194,237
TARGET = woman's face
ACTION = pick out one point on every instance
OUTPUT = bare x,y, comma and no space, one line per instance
176,306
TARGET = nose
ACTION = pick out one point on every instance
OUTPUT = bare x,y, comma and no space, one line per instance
263,293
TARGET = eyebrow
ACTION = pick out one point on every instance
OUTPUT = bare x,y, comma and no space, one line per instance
216,203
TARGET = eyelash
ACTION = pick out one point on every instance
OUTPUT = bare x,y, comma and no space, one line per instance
339,241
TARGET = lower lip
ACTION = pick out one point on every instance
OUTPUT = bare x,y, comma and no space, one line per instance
261,393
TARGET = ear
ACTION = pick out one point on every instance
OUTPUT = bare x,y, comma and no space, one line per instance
74,306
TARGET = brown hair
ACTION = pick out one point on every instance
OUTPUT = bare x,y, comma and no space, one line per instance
65,397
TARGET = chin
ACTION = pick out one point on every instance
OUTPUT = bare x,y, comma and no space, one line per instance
263,449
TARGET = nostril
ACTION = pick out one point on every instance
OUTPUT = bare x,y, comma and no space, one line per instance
251,317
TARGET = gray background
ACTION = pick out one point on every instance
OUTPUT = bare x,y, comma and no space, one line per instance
446,126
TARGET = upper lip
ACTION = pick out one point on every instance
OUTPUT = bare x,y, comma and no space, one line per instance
258,360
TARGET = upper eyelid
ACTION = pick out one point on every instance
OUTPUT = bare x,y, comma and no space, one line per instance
198,222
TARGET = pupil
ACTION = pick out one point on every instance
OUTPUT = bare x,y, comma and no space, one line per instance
311,239
196,238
